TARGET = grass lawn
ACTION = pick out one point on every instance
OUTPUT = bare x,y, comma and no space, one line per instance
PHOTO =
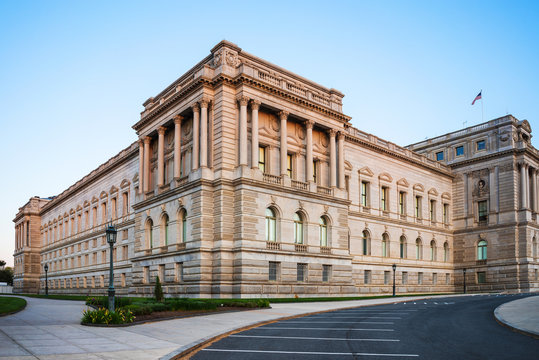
9,304
58,297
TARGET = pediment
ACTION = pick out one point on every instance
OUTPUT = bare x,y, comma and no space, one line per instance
433,192
79,208
66,214
347,166
94,199
365,171
86,203
72,211
385,177
419,187
402,182
113,189
446,196
125,183
103,195
135,179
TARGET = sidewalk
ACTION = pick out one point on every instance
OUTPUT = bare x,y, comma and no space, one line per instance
521,315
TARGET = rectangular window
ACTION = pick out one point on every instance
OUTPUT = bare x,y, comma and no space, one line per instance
125,203
146,274
459,150
432,210
262,158
404,277
124,252
86,220
447,278
113,208
481,277
273,274
434,278
364,193
103,256
418,207
289,167
387,277
536,274
102,280
326,273
302,272
178,271
402,209
384,199
367,277
161,273
420,278
482,210
94,261
446,214
93,281
103,213
439,156
86,260
481,145
122,278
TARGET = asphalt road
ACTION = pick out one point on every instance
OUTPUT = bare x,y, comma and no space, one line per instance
450,328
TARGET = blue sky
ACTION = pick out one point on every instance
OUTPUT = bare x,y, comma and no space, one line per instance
73,74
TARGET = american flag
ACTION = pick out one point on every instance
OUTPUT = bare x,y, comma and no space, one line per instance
477,97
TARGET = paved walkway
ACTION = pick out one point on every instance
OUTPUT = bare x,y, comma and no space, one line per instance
50,329
521,315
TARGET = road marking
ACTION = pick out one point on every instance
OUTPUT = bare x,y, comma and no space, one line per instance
362,317
308,353
310,338
342,322
302,328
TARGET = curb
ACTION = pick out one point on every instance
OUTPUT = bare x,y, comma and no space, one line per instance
186,351
16,311
500,320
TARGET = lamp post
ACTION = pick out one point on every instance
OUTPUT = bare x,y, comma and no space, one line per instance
394,266
46,267
111,239
464,275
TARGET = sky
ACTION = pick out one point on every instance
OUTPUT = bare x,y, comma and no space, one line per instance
74,74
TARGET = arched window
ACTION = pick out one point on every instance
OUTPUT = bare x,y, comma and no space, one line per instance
482,250
433,250
163,229
385,245
148,233
402,247
446,252
418,249
182,226
298,228
323,231
271,225
366,242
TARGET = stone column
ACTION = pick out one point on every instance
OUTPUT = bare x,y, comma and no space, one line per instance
523,176
283,115
147,140
243,130
177,141
340,139
309,151
204,133
196,121
332,159
161,156
23,234
140,166
534,190
255,105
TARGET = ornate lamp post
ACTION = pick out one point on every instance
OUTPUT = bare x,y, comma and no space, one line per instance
394,266
111,239
464,275
46,267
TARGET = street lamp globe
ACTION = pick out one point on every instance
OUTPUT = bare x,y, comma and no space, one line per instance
111,234
46,267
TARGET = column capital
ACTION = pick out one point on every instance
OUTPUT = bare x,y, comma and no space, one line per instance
161,130
283,115
309,124
255,104
243,100
147,139
340,135
178,119
141,141
204,102
195,107
332,132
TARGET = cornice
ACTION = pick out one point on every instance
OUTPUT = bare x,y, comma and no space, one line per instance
408,224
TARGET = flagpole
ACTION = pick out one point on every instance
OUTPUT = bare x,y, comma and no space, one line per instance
482,115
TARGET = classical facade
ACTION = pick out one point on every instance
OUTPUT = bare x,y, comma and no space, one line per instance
249,181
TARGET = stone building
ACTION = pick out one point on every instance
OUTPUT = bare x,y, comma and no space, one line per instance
249,180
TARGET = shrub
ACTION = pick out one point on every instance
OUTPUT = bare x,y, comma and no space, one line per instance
104,316
103,301
158,290
138,309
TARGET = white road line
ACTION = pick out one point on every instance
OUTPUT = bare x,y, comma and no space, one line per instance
362,317
308,353
340,322
309,338
310,328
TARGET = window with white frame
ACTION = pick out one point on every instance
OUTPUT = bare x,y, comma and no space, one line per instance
273,271
433,250
482,250
402,247
418,249
402,202
323,226
384,199
298,228
271,225
326,273
387,277
367,277
301,272
418,206
366,243
385,245
420,278
365,194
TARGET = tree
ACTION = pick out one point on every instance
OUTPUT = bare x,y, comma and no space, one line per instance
2,264
158,290
6,275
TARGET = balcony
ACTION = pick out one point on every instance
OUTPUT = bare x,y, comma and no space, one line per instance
273,245
300,247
